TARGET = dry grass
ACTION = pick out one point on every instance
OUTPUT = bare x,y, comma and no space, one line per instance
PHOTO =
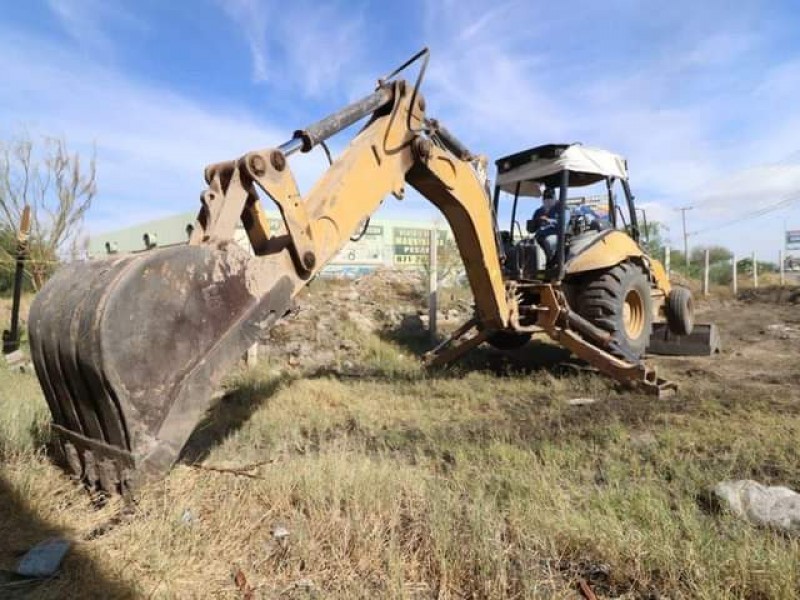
464,484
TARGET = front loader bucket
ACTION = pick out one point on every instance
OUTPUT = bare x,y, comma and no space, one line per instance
128,351
703,341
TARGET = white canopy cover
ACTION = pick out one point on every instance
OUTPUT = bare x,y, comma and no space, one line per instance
594,164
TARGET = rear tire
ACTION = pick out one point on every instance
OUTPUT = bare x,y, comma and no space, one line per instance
680,311
618,301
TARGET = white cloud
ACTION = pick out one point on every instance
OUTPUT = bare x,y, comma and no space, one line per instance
252,17
692,111
695,108
152,144
87,21
300,45
718,48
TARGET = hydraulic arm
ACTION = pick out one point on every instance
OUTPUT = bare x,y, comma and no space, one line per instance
130,348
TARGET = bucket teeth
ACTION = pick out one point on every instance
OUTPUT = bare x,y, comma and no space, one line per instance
73,460
129,350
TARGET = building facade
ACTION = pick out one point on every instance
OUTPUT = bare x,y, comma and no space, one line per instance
385,243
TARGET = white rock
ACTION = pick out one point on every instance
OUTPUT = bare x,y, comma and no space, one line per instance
581,401
15,358
773,506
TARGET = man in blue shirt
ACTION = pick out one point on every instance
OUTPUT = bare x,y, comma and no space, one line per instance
546,222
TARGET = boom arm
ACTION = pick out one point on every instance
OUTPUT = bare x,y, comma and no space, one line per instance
383,155
129,349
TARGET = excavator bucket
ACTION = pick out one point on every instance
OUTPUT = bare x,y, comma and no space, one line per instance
704,340
129,349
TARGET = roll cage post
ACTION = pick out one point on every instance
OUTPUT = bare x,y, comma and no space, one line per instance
514,213
562,224
631,211
613,207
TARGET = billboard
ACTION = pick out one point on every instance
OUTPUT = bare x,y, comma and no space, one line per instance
385,242
368,249
412,245
793,239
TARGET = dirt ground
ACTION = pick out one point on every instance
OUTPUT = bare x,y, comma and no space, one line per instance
760,331
760,337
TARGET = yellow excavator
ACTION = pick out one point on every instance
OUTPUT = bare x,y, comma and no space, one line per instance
129,348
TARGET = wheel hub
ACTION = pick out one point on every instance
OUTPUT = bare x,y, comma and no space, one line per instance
633,316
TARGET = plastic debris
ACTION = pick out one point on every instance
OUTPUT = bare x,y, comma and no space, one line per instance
772,506
15,358
581,401
44,559
187,517
280,533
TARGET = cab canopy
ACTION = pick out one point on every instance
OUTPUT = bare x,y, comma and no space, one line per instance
544,164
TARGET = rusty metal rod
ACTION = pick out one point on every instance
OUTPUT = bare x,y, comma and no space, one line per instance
11,337
602,338
588,329
306,139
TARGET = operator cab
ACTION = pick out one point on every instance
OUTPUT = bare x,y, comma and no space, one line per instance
584,184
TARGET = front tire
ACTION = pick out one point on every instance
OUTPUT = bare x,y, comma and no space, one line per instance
618,301
680,311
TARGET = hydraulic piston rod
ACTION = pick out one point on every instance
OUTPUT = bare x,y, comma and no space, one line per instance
306,139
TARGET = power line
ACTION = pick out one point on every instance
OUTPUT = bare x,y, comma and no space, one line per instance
751,215
792,158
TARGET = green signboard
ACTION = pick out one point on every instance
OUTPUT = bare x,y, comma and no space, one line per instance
412,245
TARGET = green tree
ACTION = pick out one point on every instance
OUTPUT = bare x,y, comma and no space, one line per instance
8,246
715,254
745,265
448,260
653,238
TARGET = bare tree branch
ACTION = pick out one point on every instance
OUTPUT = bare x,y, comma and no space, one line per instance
59,189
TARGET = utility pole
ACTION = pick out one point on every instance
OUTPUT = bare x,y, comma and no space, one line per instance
433,283
685,235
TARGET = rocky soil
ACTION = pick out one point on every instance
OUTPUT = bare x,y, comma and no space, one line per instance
329,318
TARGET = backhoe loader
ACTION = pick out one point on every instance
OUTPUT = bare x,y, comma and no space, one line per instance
129,348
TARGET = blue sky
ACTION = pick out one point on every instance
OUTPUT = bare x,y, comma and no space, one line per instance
701,97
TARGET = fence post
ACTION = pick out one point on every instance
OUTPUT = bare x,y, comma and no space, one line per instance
735,280
251,358
781,268
705,273
755,270
667,256
433,284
